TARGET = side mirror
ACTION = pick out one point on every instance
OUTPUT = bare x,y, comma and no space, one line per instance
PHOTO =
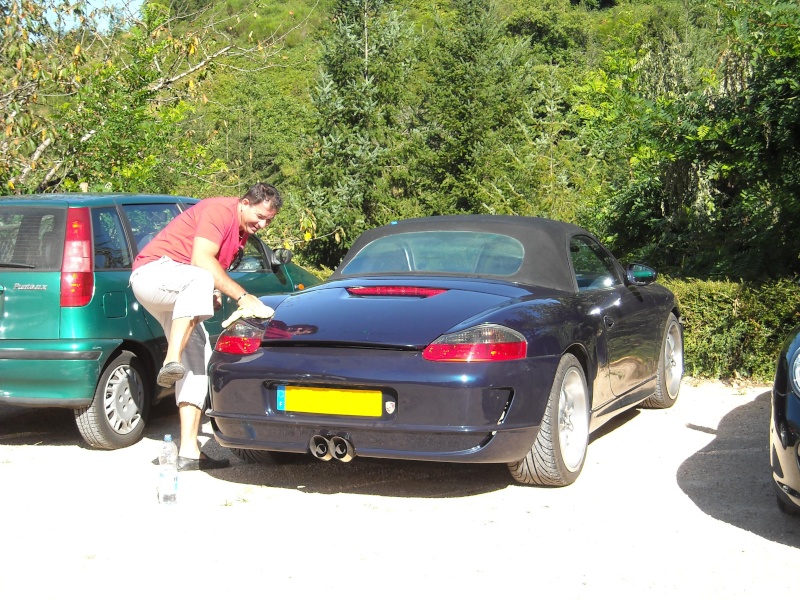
277,257
638,274
283,256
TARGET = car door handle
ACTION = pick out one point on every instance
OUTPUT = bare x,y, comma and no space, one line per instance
609,322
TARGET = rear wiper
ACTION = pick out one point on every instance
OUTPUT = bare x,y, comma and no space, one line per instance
17,266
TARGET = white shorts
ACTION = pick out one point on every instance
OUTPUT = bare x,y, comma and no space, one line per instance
171,290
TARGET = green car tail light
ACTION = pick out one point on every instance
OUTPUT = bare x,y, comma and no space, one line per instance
77,276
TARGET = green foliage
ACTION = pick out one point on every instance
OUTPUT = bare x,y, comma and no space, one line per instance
735,329
707,183
557,33
477,81
546,173
87,109
668,127
102,100
358,138
254,124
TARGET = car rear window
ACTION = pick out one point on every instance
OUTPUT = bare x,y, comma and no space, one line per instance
470,252
31,238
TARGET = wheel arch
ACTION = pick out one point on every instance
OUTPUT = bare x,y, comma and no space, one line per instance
589,366
676,310
108,428
147,358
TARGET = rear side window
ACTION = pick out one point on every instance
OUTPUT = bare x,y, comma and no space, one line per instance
147,220
31,238
110,248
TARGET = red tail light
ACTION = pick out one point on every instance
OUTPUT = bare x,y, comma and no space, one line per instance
394,290
240,338
77,268
484,343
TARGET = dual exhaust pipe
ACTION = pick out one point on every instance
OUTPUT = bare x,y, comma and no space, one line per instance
326,448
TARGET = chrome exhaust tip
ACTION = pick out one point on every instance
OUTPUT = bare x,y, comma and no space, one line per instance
320,448
341,448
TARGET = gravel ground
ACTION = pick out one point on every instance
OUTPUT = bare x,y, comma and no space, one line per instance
673,502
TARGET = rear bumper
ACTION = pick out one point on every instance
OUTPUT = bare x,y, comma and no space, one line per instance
449,412
52,373
432,445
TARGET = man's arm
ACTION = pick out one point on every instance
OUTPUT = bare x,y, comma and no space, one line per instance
204,255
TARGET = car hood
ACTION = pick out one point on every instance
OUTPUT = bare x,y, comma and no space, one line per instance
330,314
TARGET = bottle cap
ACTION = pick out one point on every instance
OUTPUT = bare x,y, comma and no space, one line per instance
168,437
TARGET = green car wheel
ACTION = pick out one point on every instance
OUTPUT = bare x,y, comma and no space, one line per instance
116,417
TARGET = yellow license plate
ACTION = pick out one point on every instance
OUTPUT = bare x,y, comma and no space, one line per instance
329,401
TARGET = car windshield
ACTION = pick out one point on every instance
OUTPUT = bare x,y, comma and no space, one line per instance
477,253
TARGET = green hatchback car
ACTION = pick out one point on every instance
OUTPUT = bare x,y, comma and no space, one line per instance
72,334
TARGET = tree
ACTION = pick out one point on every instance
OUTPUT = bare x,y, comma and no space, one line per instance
94,98
754,166
712,176
558,34
477,82
361,126
545,170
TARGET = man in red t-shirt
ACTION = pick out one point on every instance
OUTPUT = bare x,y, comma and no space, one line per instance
175,277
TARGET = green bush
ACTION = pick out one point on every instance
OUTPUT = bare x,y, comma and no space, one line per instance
735,329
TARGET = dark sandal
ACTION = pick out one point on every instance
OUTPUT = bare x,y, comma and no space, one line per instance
170,373
204,463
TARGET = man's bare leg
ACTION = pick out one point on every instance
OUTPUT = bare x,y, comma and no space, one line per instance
190,426
179,334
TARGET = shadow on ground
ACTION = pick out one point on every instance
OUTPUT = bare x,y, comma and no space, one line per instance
383,477
374,477
730,478
21,426
26,426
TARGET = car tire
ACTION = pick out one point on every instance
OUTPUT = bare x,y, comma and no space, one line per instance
670,367
267,457
559,451
118,412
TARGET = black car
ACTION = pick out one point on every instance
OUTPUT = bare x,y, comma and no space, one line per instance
490,339
784,430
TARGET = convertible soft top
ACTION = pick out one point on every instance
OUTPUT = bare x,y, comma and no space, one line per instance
545,241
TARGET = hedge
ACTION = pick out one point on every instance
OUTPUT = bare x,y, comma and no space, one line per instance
735,330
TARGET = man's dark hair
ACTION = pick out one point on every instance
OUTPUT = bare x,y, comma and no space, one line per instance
263,192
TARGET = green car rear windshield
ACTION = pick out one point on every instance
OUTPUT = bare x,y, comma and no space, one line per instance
460,252
31,238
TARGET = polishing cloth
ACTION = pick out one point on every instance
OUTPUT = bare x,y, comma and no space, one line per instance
264,312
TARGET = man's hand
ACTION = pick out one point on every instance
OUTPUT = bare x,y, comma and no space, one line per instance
262,312
253,307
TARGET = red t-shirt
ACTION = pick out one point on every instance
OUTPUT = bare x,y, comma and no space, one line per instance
215,219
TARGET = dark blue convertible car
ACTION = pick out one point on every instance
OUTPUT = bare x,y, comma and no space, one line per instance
463,338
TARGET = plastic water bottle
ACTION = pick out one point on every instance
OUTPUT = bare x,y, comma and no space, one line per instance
168,472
